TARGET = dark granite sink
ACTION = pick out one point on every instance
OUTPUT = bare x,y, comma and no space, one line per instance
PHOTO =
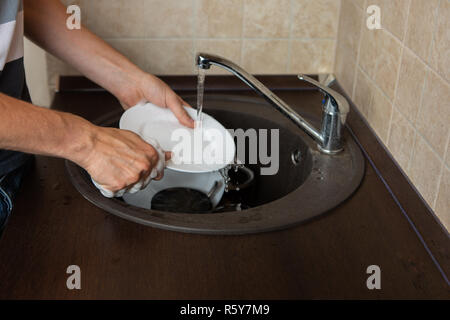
308,183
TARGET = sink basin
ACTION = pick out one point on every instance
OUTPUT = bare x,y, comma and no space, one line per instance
308,183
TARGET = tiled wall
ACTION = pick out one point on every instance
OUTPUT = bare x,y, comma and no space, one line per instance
264,36
399,77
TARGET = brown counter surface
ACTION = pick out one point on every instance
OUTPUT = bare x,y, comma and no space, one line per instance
384,223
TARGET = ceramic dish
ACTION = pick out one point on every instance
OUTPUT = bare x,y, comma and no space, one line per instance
150,121
203,182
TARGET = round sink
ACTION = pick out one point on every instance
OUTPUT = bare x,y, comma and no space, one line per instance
307,183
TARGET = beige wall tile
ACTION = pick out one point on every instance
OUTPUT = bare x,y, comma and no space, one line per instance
393,15
442,208
117,18
369,50
380,57
129,25
265,56
387,64
363,93
345,69
134,49
379,115
447,157
440,50
359,3
168,18
230,49
315,19
219,18
425,170
312,56
350,27
410,85
422,15
266,18
141,18
170,56
434,115
161,57
401,139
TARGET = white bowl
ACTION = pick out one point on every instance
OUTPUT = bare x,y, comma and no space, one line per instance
203,182
160,124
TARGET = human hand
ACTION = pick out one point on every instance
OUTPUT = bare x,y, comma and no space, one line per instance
120,161
149,88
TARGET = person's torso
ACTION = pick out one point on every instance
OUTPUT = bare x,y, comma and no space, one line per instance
12,72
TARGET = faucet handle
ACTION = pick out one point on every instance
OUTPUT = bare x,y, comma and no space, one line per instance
338,103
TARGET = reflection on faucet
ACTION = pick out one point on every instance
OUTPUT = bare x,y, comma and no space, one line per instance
335,107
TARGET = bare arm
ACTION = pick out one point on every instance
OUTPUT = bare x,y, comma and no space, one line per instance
45,24
33,129
115,158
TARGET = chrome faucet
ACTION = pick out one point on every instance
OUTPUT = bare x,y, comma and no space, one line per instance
334,112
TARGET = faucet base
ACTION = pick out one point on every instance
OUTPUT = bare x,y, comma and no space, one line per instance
331,152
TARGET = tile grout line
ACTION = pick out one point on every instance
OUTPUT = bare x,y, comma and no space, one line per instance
241,58
336,36
412,123
358,53
428,65
375,85
394,99
171,38
441,174
411,156
435,24
417,133
403,43
291,19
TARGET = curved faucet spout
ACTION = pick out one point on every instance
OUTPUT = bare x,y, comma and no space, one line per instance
334,111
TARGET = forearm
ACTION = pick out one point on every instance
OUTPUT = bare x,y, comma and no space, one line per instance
37,130
45,24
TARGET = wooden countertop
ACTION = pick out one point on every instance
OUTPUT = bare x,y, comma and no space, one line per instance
384,223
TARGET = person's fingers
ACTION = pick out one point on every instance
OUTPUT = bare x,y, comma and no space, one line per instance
159,176
175,105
